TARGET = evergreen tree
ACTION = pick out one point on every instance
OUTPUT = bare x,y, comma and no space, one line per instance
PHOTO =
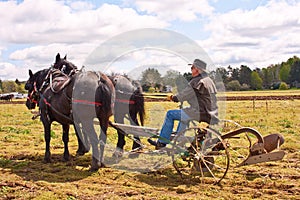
294,75
245,75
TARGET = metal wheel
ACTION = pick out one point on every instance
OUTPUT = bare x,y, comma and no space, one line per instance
200,153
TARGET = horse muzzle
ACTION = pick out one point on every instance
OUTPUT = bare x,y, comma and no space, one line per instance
30,104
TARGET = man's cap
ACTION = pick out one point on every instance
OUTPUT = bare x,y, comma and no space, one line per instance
199,64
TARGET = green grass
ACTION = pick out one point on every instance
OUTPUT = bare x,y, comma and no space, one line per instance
264,93
25,176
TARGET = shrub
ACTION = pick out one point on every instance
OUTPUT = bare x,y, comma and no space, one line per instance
283,86
151,89
234,85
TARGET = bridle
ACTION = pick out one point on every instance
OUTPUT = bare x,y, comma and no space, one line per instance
33,97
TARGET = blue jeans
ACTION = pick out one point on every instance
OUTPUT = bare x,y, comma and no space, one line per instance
168,125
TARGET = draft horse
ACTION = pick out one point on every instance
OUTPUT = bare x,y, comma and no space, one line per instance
59,106
129,104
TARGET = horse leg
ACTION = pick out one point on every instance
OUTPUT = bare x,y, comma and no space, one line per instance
47,136
88,129
65,138
121,138
82,148
103,126
134,121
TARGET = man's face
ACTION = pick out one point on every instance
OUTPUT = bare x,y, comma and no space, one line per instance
195,71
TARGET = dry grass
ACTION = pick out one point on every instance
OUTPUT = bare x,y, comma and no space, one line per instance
25,176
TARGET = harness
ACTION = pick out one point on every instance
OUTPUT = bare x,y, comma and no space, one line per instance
57,82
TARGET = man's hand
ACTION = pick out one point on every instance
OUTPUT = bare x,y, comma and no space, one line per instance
170,97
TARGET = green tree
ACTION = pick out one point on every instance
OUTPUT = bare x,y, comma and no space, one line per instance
284,72
267,78
21,88
223,73
170,78
187,76
294,75
151,77
1,88
256,81
9,86
245,75
235,74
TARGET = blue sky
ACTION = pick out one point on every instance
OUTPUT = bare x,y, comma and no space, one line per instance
256,33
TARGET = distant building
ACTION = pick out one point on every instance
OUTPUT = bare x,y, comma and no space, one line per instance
167,88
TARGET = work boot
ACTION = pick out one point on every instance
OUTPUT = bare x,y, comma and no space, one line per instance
158,145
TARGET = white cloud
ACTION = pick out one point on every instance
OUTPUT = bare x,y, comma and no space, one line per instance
185,10
261,36
74,28
10,71
50,21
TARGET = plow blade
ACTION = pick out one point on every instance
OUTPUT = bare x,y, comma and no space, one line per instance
272,156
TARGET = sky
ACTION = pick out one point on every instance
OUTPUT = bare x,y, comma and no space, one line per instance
256,33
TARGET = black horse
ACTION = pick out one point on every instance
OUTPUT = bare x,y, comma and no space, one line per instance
7,97
61,106
129,104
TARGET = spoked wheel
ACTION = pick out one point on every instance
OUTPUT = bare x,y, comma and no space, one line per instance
200,153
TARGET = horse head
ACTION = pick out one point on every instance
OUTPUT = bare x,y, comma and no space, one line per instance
64,65
33,85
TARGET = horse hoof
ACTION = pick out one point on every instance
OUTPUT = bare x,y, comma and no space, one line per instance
80,153
94,169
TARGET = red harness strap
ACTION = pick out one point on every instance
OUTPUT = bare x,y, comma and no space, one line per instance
87,102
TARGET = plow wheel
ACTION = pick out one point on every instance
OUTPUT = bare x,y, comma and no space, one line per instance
201,154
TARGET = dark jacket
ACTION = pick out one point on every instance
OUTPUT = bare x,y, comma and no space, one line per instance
201,95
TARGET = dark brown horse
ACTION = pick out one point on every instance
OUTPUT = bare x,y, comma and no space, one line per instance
129,104
87,95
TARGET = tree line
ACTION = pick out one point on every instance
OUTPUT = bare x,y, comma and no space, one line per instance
279,76
12,86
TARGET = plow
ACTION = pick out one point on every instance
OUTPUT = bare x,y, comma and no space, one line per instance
207,152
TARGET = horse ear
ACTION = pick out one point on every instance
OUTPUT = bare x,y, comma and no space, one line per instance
65,58
30,73
57,58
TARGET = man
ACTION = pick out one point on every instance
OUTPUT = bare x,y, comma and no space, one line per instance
201,95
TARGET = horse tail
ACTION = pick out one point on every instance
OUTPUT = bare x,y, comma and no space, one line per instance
104,94
139,100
